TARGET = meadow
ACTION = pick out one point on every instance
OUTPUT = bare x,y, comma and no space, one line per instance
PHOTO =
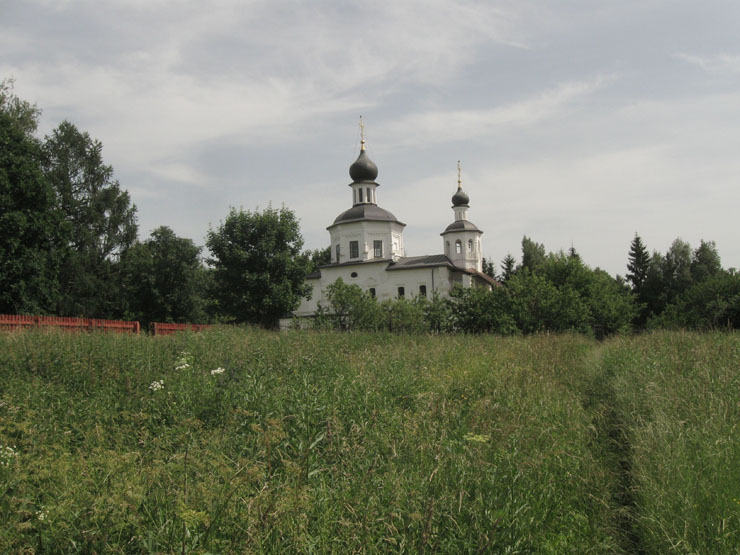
241,440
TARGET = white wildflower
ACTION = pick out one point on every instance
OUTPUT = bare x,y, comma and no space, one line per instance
217,371
157,385
184,361
7,454
41,515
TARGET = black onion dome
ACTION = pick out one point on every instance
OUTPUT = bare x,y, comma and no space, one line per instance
460,198
363,169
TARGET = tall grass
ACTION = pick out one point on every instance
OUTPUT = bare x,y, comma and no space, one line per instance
306,442
326,442
678,398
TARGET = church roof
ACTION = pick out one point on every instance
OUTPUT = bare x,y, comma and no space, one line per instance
430,261
355,262
361,212
409,262
461,225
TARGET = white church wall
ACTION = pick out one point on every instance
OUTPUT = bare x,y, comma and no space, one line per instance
365,233
385,283
467,258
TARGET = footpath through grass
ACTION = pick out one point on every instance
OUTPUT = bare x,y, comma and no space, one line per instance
247,441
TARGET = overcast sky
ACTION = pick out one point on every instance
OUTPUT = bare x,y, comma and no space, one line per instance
577,122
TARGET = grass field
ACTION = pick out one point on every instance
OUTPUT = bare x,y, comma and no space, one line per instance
238,440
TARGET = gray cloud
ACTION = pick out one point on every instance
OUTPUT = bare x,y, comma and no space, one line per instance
577,123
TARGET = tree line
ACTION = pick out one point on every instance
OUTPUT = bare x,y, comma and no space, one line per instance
69,241
69,246
558,292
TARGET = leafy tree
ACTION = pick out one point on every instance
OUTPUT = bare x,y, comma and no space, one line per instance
713,303
23,115
537,305
350,308
508,267
611,305
653,290
677,269
99,216
566,271
259,271
533,254
567,295
404,315
489,268
637,264
705,262
164,279
30,227
317,258
438,314
480,310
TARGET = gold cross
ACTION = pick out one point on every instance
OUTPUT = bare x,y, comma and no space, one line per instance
362,134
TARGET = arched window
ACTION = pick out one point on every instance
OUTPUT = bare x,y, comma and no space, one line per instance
367,194
458,247
470,245
378,248
447,249
337,249
360,190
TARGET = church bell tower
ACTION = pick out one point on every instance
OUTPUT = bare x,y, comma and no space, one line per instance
462,239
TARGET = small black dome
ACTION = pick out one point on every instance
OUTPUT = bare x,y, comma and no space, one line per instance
363,169
460,198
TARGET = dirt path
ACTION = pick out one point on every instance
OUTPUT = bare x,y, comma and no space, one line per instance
612,446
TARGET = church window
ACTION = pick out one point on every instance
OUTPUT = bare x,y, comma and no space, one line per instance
367,195
353,274
470,245
401,293
458,247
372,292
423,291
354,249
447,248
337,249
378,249
360,191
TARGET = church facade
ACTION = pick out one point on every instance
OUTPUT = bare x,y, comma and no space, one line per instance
367,249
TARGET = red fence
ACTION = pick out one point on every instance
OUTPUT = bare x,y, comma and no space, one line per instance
161,328
14,322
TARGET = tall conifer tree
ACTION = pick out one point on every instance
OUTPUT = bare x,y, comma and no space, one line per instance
637,265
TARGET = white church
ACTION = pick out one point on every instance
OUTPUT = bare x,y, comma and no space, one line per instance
367,249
